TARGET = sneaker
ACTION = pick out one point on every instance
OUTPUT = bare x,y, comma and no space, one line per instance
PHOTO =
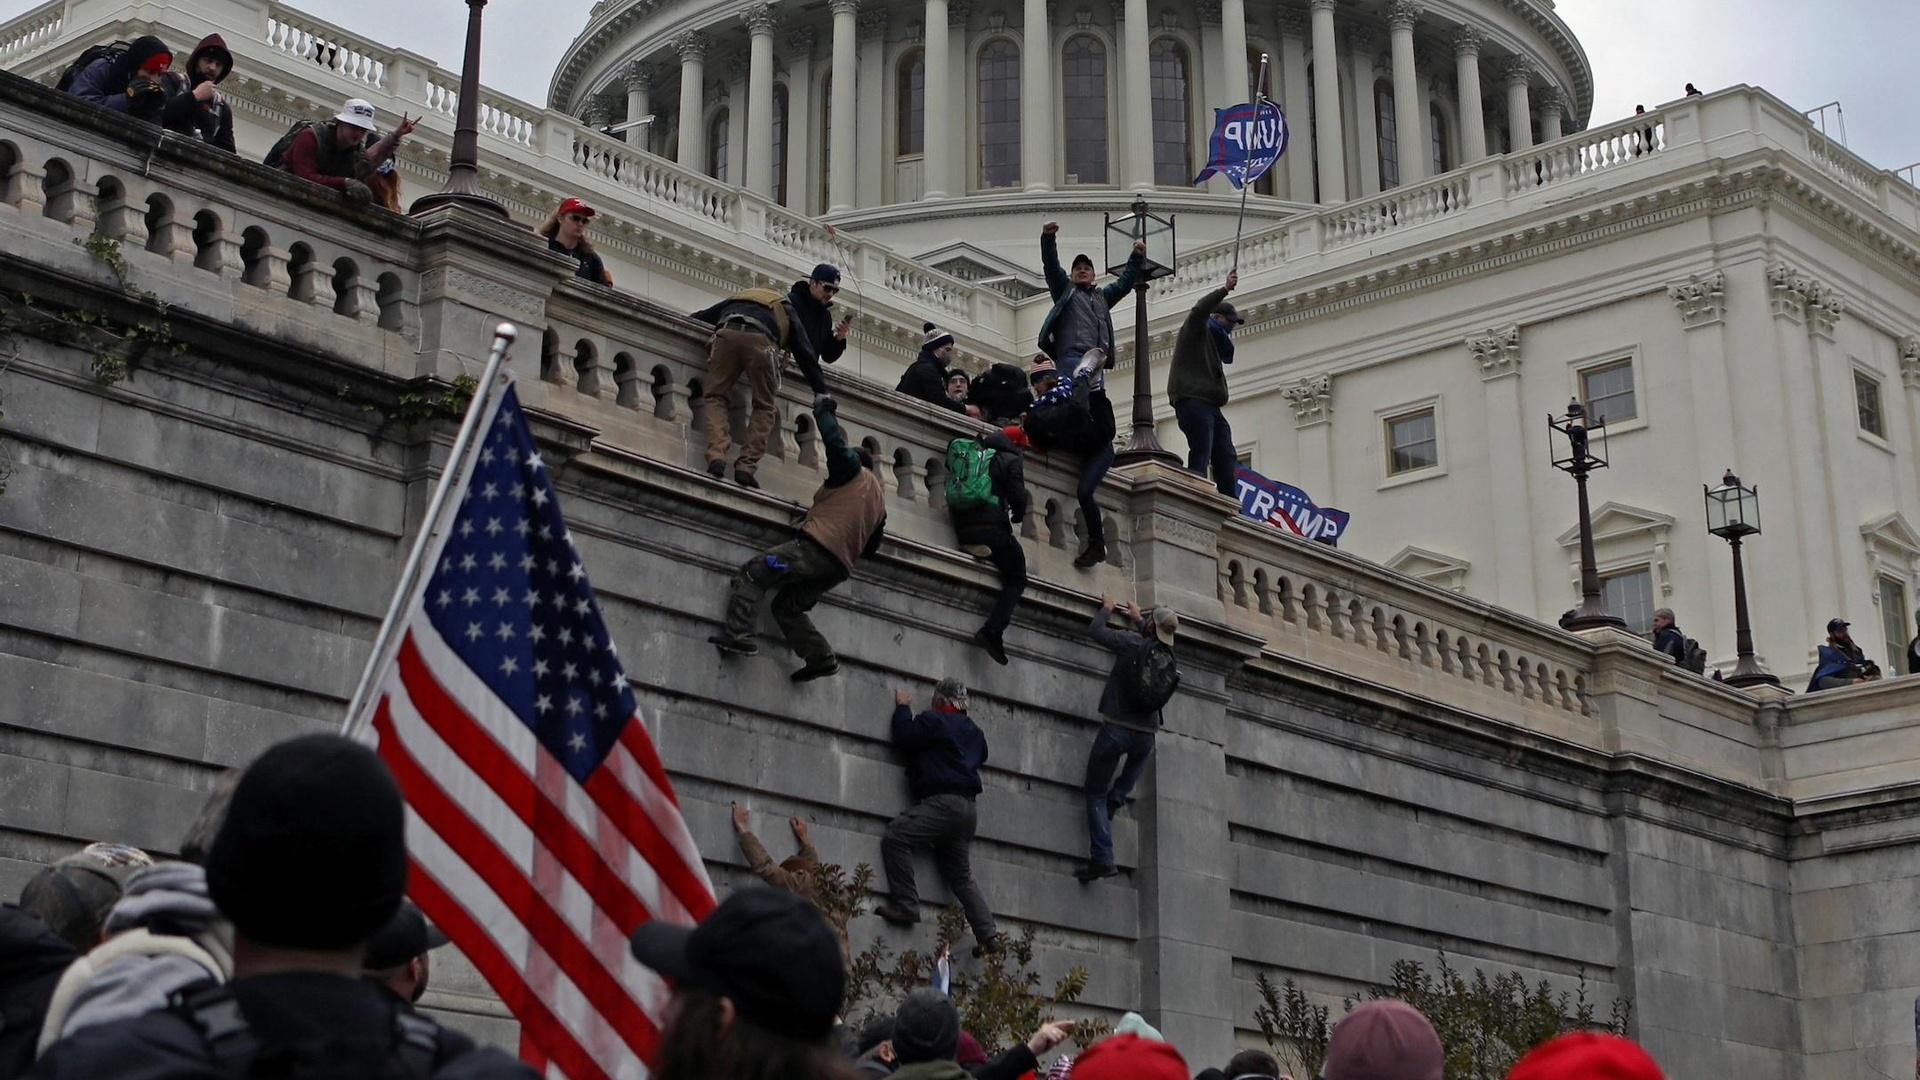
1114,806
716,469
745,479
897,914
992,643
733,646
817,670
1089,363
1093,555
991,945
1092,872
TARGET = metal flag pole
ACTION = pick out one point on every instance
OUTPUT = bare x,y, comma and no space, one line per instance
1259,80
503,336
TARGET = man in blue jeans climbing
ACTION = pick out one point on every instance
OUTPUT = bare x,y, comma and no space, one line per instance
1127,732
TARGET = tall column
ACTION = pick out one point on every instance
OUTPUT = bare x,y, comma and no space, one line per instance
871,164
693,106
1364,45
1519,78
843,122
1326,106
1136,97
1233,42
1409,120
1552,104
760,23
1293,99
639,81
936,162
800,121
1037,97
1466,73
958,181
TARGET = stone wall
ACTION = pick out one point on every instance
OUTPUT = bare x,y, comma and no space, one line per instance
1360,768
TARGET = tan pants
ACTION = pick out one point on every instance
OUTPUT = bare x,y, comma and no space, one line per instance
733,356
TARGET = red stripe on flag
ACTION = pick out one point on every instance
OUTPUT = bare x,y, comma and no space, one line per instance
539,1028
644,834
509,779
459,831
640,744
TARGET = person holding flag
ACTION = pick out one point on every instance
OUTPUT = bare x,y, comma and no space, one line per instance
1197,384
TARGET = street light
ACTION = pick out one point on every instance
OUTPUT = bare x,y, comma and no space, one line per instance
1580,461
1733,513
1122,233
463,169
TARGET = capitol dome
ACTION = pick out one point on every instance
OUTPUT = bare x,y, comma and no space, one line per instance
967,136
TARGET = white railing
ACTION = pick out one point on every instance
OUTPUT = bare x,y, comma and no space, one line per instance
807,238
1399,208
1843,164
943,292
499,115
305,38
1586,152
31,30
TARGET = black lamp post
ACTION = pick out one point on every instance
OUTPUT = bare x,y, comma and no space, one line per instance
1122,233
1579,461
1733,514
463,170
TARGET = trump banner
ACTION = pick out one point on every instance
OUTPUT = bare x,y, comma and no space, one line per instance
1247,139
1288,508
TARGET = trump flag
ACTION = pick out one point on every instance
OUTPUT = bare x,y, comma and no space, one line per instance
1247,139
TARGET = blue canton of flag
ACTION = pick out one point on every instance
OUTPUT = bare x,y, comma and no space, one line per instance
511,598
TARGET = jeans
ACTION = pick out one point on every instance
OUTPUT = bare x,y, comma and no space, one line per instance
1104,792
1011,560
802,571
946,824
1209,442
1092,471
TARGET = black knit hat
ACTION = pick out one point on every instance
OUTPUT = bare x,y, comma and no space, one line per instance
926,1027
312,853
934,337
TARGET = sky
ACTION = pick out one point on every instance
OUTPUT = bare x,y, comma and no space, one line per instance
1806,52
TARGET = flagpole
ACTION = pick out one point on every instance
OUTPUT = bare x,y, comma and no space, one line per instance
1259,80
503,337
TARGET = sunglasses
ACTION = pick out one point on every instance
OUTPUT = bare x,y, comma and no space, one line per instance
578,219
831,289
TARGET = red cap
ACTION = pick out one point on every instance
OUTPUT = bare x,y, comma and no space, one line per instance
1130,1057
1587,1055
576,206
157,63
1018,436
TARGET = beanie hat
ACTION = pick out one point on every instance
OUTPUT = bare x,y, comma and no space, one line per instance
1587,1055
1042,365
926,1027
312,853
1134,1024
969,1053
1130,1057
934,337
73,896
1384,1040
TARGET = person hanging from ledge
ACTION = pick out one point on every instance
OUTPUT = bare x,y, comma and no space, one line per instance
987,496
196,108
1069,414
928,377
345,154
1080,322
845,524
1197,385
566,233
130,79
752,328
798,873
1143,679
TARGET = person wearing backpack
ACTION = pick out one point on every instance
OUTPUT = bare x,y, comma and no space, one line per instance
1667,637
343,153
129,79
309,863
1143,680
987,496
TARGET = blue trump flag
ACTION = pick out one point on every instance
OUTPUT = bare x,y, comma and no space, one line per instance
1289,509
1247,139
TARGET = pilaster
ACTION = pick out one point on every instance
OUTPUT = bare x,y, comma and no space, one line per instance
1496,355
1312,401
1496,352
1702,299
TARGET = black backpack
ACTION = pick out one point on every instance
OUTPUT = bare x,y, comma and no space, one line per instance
1696,658
237,1052
278,154
1149,679
113,50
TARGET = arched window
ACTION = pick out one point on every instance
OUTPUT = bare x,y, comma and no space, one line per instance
1264,186
1083,77
717,146
1170,75
1437,127
910,101
780,143
1389,134
999,79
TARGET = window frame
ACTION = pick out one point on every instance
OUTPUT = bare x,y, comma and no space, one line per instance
782,139
1864,376
980,121
1439,145
719,151
1186,53
1384,420
1896,630
1105,127
1629,355
1386,128
1631,569
903,102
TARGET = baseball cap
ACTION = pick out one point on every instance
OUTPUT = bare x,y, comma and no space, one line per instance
826,272
767,950
1166,623
74,895
1837,624
576,206
1130,1057
358,112
1083,257
1587,1055
1226,309
407,935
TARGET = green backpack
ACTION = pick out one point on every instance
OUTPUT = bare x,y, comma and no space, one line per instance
969,482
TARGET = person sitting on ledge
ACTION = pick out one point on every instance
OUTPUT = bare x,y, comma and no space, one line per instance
1841,662
566,233
848,517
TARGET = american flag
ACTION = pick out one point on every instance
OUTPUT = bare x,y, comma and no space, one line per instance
541,826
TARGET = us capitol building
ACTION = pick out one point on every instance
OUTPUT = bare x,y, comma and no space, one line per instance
1450,250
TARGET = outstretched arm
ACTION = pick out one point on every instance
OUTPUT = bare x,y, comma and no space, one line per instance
843,464
1056,275
1129,275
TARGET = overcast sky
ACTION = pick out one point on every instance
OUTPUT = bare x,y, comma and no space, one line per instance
1643,51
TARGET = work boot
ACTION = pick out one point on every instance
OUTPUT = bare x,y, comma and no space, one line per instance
1093,555
1093,871
745,479
896,914
733,646
817,669
992,643
716,469
991,945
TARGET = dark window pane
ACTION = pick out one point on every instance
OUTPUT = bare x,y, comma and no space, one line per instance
999,80
911,101
1389,137
1172,138
717,146
1083,71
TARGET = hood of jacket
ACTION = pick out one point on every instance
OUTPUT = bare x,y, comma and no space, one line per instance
810,309
168,898
215,46
142,49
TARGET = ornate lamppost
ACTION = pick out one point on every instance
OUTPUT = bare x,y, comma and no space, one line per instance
1579,461
463,169
1733,514
1122,233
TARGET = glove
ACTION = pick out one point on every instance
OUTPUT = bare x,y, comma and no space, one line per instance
825,401
357,192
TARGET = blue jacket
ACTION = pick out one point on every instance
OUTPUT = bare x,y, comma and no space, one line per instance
104,82
1061,287
1835,661
944,752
